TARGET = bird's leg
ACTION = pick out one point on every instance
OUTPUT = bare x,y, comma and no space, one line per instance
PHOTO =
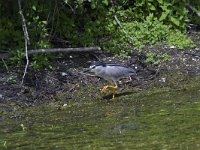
113,87
113,96
105,88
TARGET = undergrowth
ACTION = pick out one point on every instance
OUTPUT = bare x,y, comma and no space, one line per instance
91,23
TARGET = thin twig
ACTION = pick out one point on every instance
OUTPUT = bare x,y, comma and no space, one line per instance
26,38
6,66
118,22
193,9
69,6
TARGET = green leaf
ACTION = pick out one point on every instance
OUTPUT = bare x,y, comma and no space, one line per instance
160,1
44,22
164,15
93,5
105,2
152,7
175,20
34,8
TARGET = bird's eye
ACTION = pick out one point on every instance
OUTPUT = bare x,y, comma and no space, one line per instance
92,67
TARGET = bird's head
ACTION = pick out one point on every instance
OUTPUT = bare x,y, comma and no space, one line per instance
94,67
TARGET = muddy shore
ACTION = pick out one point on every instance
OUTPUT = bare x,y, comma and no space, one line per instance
65,82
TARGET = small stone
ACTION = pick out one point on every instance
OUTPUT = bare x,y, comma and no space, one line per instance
172,47
163,80
64,105
64,74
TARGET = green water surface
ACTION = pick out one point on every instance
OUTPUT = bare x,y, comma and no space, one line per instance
156,119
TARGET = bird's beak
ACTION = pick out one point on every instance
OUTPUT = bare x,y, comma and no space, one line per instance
86,70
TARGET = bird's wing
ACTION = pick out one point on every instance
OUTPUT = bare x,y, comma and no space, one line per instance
107,64
132,71
120,71
114,71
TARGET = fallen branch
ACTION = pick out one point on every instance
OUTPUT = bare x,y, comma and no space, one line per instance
26,38
67,50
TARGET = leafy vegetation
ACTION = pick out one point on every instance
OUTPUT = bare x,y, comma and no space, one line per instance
157,58
179,39
78,23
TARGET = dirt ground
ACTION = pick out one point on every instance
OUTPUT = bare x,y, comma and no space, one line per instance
66,82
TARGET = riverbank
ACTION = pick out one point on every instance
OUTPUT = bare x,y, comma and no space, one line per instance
64,81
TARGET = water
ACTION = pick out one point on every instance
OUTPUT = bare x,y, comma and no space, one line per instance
155,119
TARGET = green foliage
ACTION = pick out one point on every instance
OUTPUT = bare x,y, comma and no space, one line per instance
148,32
37,25
12,79
18,57
40,61
170,12
11,34
78,23
176,38
151,31
157,58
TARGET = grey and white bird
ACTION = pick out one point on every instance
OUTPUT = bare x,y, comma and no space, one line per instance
111,73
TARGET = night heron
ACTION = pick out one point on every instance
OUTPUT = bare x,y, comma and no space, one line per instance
111,73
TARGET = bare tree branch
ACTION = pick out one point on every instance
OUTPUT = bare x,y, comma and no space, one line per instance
118,22
26,38
68,50
193,9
